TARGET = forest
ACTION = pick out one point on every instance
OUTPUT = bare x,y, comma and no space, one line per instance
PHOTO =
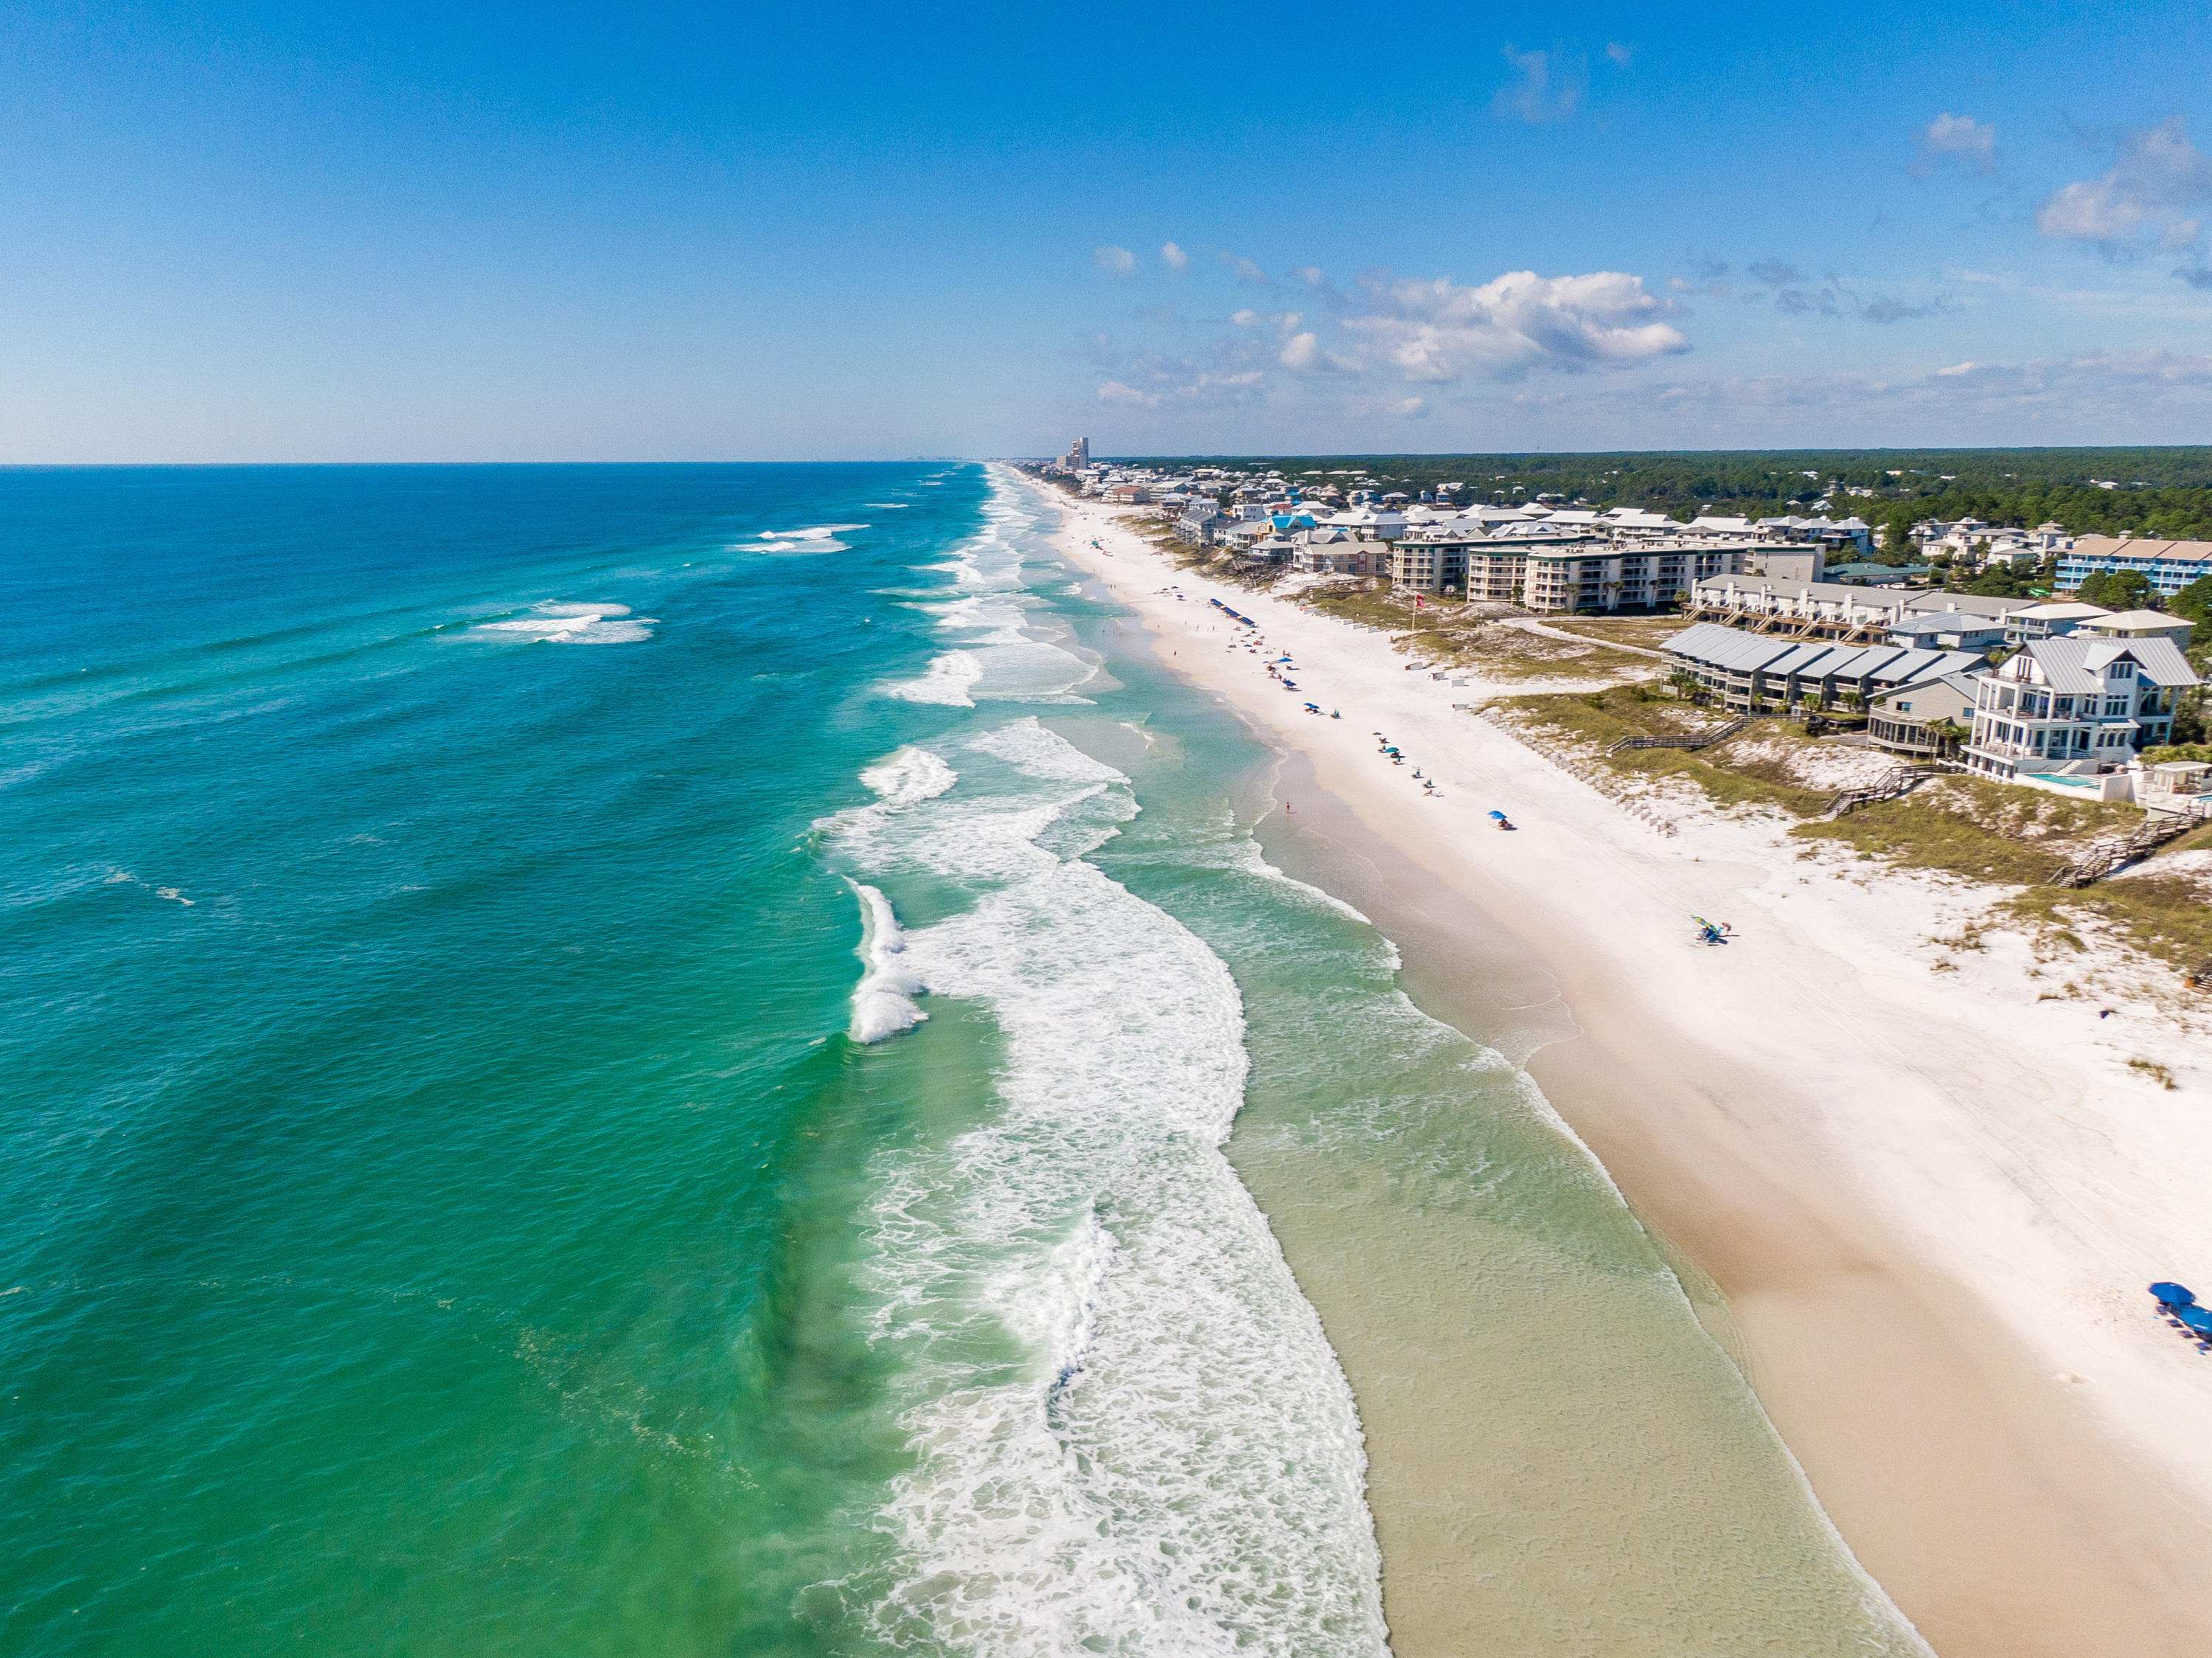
2161,492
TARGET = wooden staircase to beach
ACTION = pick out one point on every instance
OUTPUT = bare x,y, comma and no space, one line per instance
1702,740
2105,857
1899,780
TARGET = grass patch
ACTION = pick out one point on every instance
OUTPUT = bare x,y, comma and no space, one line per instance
1974,827
1603,718
1652,633
2157,1073
1987,830
2162,917
1498,652
1462,637
1368,602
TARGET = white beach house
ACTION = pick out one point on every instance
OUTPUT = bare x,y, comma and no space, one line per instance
2064,712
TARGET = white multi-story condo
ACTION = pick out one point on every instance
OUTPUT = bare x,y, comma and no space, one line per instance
2076,707
1567,578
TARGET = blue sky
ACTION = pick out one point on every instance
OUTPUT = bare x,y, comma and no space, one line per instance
237,232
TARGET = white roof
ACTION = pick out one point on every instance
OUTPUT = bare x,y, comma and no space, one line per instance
2059,613
2129,621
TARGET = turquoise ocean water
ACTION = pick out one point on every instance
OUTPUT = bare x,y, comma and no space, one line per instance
624,1060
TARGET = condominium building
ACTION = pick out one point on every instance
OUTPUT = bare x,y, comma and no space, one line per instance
2169,565
1574,576
1829,610
1754,673
1428,563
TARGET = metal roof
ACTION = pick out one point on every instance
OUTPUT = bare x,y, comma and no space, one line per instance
1800,659
2075,664
1859,663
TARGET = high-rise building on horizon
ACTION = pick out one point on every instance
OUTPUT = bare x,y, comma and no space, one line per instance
1078,455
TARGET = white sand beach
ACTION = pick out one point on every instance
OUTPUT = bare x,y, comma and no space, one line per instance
1931,1199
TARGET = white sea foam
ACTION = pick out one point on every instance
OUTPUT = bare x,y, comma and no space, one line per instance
1031,748
573,624
1174,1466
910,776
1018,652
809,543
949,681
883,1002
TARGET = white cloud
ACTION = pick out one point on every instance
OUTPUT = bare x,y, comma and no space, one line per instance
1173,257
2159,175
1312,275
1971,143
1115,392
1411,408
1621,53
1245,270
1440,331
1114,261
1303,354
1956,369
1285,323
1548,87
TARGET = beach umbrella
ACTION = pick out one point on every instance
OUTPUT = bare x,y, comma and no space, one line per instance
1500,816
2173,1295
2196,1318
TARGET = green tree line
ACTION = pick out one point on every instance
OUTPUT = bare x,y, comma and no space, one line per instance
2165,493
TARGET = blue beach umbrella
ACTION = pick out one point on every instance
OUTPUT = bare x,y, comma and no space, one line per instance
2172,1294
2196,1318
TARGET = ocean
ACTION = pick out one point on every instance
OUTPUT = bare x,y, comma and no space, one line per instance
642,1059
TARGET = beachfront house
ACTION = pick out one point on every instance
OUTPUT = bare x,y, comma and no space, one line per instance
1196,522
1924,720
2063,713
1330,553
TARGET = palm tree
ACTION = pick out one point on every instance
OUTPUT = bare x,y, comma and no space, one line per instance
1945,736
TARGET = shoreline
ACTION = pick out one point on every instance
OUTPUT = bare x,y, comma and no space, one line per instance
1843,1162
